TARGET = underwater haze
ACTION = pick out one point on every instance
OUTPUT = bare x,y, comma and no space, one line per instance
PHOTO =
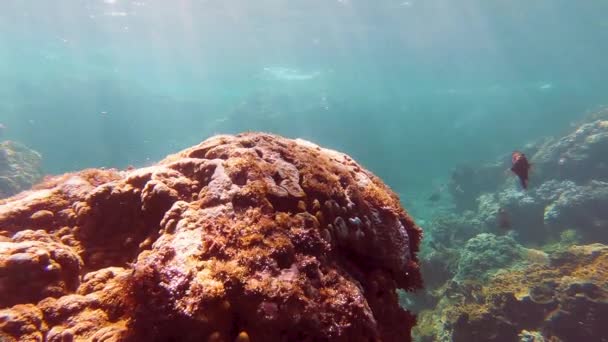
453,104
409,88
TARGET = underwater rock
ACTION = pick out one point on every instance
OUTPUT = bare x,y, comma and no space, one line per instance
523,211
448,235
558,166
247,237
35,265
454,230
582,208
564,205
531,336
486,253
564,300
20,168
542,214
580,156
438,265
467,182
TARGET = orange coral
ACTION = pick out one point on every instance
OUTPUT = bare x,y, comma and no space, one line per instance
247,237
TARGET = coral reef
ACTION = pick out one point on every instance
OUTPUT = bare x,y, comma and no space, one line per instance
454,230
542,214
251,237
569,177
467,183
579,156
486,253
20,168
511,264
523,209
564,300
570,189
581,208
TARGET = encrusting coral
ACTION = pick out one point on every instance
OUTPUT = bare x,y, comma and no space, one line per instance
251,237
563,298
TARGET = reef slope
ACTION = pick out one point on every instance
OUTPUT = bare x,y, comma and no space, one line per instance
564,299
251,237
20,168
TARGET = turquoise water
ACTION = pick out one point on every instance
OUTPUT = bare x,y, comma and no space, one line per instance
409,88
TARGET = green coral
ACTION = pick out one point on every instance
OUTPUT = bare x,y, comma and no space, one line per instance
485,254
570,237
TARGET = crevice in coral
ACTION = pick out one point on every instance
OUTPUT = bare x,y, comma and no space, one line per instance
286,204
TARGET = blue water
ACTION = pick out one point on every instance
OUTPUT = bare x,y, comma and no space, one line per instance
411,89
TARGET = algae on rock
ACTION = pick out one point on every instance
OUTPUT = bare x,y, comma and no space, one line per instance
248,237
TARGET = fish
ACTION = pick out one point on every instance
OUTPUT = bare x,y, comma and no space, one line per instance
2,129
434,197
521,167
436,194
502,219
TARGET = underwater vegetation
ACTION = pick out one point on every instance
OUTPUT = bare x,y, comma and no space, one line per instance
250,237
514,264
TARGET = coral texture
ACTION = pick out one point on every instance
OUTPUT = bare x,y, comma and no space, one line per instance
568,187
541,214
581,208
562,300
486,253
512,264
579,156
242,238
20,168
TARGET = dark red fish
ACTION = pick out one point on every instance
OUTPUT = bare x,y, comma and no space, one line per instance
520,167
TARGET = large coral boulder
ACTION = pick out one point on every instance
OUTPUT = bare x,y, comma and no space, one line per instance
250,238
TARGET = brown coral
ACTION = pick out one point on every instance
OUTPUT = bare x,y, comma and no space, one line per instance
250,237
564,300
